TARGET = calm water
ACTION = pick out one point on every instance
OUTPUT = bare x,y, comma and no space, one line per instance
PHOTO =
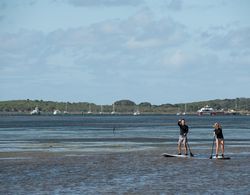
120,155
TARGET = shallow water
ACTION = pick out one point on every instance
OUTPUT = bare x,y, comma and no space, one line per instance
86,155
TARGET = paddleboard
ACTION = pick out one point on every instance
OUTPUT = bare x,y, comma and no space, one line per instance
221,158
175,155
197,156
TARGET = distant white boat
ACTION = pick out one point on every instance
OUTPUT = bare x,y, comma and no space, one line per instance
56,112
137,112
101,112
89,112
182,113
207,110
113,112
232,112
66,109
36,111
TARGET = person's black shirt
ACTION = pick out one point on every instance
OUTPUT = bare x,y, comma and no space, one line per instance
183,129
218,133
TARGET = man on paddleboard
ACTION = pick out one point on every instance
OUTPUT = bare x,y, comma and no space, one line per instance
182,136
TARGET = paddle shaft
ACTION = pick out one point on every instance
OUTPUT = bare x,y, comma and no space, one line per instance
191,154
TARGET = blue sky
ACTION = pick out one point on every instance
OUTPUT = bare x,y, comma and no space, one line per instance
100,51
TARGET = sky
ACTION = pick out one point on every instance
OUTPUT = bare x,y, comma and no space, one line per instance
101,51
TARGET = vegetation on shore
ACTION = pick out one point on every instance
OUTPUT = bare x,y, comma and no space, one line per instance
123,106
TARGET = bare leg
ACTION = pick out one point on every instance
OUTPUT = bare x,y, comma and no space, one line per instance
179,148
222,147
217,147
186,150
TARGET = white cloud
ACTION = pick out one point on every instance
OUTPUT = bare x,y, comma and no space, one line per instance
112,53
119,45
122,56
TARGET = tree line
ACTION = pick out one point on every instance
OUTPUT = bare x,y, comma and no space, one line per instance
122,106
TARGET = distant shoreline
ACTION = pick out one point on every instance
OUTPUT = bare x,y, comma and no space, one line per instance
109,114
121,107
85,114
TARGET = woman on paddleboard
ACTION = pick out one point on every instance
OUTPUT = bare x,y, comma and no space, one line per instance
219,139
182,136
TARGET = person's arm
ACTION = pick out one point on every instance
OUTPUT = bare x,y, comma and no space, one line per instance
179,122
216,133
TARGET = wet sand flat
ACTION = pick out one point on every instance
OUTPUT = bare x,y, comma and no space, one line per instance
131,172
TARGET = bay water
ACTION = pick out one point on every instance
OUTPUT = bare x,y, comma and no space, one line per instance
117,154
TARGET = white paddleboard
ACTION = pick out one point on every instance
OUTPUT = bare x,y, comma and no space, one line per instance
221,158
175,155
197,156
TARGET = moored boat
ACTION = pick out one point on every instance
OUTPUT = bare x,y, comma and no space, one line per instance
56,112
137,112
36,111
207,110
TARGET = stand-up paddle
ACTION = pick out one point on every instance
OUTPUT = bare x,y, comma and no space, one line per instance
191,154
211,156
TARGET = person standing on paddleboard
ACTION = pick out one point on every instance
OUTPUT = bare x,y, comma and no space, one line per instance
182,136
219,139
